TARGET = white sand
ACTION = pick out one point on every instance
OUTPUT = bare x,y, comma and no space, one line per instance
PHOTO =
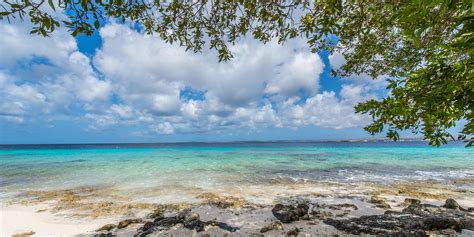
15,219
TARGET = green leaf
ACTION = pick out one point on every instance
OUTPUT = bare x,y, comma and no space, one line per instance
51,4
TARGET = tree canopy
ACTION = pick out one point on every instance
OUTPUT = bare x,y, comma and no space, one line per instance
423,47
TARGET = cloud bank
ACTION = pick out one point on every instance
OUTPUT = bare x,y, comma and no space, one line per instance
135,78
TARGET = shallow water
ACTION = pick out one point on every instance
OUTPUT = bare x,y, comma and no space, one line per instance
137,168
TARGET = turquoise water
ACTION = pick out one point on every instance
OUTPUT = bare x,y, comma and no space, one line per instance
182,166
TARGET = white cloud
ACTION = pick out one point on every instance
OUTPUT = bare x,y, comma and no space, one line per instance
44,75
300,73
262,86
144,65
164,128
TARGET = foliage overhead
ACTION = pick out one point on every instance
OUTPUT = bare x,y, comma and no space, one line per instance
424,47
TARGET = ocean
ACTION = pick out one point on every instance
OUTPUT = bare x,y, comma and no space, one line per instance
146,170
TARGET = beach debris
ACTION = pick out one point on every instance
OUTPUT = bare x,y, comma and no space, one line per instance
293,232
24,234
276,225
290,213
414,220
125,223
107,227
223,201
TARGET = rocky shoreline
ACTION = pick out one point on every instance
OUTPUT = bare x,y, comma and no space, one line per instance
303,217
423,209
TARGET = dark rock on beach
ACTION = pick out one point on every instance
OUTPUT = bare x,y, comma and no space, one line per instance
128,222
104,235
452,204
193,222
222,225
168,221
157,214
107,227
290,213
185,217
414,220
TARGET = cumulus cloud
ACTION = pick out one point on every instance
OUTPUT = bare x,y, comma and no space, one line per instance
134,78
42,75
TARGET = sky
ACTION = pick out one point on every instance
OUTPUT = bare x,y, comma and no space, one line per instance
121,85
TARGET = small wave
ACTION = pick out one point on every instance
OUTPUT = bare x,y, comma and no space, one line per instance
361,175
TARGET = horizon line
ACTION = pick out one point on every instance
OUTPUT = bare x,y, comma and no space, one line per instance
229,142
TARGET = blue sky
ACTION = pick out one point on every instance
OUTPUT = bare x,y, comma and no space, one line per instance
120,85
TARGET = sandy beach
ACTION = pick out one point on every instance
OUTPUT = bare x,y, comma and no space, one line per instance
244,212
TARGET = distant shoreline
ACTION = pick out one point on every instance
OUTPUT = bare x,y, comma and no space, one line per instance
355,140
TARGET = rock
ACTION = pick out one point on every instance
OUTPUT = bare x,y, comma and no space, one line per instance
383,205
104,235
127,222
293,232
192,217
276,225
343,206
410,201
373,225
451,204
376,200
183,214
107,227
147,226
189,220
414,220
192,222
379,202
302,209
305,217
168,221
441,223
421,209
222,225
205,235
290,213
471,209
158,214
